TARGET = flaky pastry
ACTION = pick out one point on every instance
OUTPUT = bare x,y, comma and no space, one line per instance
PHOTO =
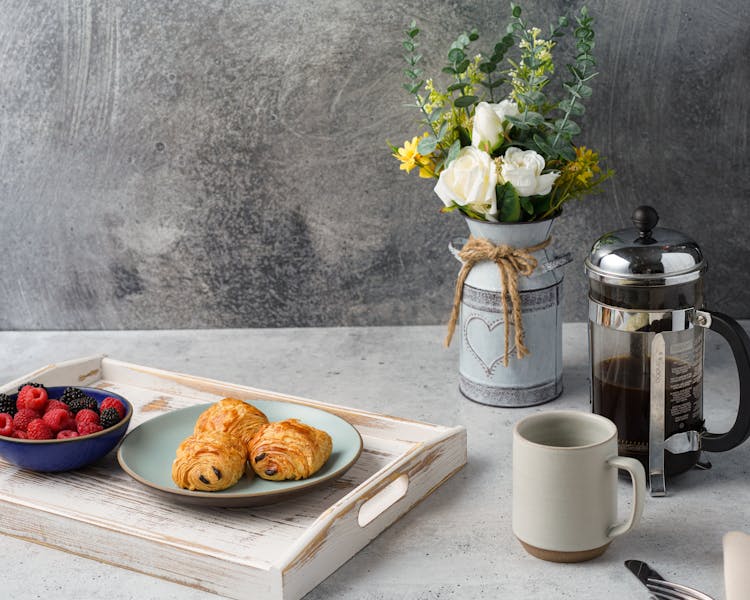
288,450
235,417
209,462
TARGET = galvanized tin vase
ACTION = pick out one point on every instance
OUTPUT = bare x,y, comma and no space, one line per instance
533,379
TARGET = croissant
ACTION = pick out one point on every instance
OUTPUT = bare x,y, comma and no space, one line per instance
288,450
232,416
210,462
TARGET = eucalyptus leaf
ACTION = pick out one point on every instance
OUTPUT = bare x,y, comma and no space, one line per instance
517,122
453,152
456,55
461,68
585,91
427,145
568,127
463,136
464,101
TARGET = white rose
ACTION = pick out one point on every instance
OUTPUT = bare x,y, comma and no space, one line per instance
470,181
489,121
523,168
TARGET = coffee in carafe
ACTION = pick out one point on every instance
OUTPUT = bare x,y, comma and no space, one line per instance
646,330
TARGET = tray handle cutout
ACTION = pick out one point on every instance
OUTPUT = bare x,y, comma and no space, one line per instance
383,500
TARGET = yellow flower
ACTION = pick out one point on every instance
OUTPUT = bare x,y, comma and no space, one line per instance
586,164
409,156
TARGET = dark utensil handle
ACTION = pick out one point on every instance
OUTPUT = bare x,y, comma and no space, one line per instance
739,342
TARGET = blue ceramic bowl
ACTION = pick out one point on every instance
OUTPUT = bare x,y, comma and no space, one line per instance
69,453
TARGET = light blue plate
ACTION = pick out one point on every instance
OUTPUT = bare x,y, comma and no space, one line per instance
147,452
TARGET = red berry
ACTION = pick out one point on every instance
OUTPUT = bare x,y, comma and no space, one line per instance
110,402
87,416
32,397
21,435
53,404
66,433
57,419
6,424
87,427
23,417
39,430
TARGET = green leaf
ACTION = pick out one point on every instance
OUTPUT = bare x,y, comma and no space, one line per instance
574,108
487,67
585,91
568,127
474,35
450,70
546,149
567,153
464,101
456,55
517,122
533,118
526,204
463,136
414,32
463,39
516,11
408,45
533,98
461,68
453,152
458,85
508,203
427,145
443,130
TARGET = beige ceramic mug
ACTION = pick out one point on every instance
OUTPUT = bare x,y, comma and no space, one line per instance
565,485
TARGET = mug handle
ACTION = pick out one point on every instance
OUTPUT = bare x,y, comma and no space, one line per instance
739,343
638,478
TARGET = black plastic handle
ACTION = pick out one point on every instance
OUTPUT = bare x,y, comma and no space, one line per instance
739,342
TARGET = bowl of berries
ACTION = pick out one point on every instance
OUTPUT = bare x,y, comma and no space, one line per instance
60,428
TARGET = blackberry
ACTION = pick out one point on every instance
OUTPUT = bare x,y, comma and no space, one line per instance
32,384
77,404
7,404
72,393
109,417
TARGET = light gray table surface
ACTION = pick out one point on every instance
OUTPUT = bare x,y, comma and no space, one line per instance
457,543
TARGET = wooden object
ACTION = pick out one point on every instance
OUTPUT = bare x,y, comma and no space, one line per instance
277,552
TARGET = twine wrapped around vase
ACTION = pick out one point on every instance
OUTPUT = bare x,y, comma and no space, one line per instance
511,262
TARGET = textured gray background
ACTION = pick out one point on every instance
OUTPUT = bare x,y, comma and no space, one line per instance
224,164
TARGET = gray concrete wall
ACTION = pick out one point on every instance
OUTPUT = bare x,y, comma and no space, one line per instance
224,164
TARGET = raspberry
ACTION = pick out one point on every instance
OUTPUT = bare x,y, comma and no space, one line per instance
87,427
86,416
57,419
6,424
53,404
7,405
39,430
22,419
66,433
110,402
82,403
109,417
21,435
32,397
32,384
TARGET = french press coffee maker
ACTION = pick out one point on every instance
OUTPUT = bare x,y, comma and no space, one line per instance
646,329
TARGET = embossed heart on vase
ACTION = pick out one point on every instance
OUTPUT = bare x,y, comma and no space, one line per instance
486,344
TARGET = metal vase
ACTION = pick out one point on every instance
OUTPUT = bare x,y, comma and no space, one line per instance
536,378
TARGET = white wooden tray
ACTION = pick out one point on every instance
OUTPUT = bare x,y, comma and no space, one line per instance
274,552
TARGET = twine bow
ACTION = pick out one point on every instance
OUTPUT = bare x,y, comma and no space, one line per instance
511,262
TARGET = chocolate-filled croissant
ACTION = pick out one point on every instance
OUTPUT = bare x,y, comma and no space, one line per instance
209,462
232,416
288,450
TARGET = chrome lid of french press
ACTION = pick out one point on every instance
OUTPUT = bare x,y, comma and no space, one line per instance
645,255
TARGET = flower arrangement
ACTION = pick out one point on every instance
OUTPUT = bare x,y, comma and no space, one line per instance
498,141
